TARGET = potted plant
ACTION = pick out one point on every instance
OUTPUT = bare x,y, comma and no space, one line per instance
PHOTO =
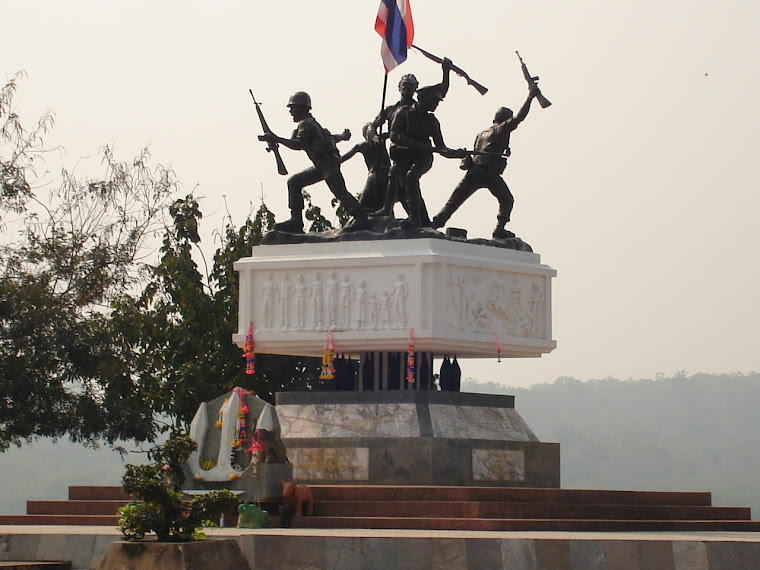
162,508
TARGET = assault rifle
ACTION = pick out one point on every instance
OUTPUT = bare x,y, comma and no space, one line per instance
458,70
532,81
271,146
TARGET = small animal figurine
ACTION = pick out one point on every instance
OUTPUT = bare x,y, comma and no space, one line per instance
296,496
250,516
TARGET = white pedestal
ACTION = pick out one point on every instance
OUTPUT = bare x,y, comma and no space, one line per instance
460,298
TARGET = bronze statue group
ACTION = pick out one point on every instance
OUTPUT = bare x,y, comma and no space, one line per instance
394,175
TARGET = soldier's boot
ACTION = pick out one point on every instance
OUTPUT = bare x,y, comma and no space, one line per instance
414,220
439,220
500,232
292,226
388,203
360,222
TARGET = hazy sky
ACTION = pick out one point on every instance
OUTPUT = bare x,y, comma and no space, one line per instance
639,185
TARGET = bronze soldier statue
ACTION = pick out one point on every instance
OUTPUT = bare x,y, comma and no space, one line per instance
378,163
407,87
412,154
485,167
320,147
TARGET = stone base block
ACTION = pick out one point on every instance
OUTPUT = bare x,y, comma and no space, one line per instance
413,438
174,556
425,461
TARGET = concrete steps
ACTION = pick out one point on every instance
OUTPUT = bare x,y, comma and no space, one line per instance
448,508
519,509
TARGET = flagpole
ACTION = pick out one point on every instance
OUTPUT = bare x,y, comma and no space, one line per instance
380,130
382,105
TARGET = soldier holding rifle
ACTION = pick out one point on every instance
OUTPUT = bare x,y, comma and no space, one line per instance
411,132
489,159
485,165
407,87
320,147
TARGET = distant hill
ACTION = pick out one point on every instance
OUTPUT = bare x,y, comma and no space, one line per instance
697,433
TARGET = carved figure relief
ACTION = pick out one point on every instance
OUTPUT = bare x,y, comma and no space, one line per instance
286,291
362,302
332,300
346,294
400,293
385,309
374,311
481,301
269,290
334,303
486,303
301,290
315,293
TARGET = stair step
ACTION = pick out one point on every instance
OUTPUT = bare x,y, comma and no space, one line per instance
583,525
97,493
446,508
509,494
87,520
472,509
76,507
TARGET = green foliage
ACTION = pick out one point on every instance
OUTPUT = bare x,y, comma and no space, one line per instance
62,370
181,326
161,507
96,342
314,214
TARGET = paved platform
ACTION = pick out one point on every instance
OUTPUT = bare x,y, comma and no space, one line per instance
412,549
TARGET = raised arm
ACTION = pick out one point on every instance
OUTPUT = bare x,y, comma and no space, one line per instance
523,112
356,148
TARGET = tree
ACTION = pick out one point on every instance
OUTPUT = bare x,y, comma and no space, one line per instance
61,369
97,340
181,327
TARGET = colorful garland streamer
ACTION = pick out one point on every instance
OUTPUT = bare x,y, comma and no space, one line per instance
249,351
328,372
240,421
498,347
410,358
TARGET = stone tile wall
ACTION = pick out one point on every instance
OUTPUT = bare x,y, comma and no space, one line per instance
453,551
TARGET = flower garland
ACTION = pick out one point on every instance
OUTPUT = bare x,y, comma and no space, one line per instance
241,433
257,446
249,351
410,358
328,372
498,347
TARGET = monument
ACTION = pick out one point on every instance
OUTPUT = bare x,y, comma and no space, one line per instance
384,302
394,309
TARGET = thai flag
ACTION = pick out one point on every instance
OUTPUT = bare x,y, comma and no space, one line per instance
394,24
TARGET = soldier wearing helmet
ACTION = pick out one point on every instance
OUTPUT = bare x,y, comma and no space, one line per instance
412,130
486,167
407,87
320,147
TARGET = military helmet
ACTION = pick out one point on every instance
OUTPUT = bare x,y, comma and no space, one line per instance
300,98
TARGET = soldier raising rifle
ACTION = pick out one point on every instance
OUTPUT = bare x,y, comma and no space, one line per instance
485,167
